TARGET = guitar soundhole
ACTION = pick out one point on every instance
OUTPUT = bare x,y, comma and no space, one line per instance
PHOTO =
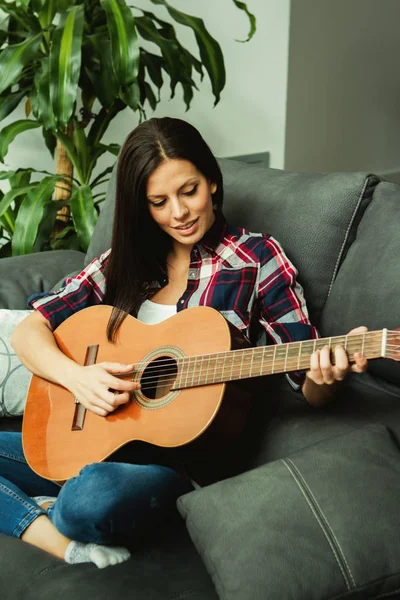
158,377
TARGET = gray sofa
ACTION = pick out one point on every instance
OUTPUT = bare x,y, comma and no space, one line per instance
316,512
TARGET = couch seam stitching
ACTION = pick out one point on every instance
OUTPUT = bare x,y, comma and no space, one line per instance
327,524
366,181
319,521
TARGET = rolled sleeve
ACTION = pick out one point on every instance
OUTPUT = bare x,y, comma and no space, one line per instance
282,306
76,293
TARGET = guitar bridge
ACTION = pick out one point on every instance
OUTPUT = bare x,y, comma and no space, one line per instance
80,411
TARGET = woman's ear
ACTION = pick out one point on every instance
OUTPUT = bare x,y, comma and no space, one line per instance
213,187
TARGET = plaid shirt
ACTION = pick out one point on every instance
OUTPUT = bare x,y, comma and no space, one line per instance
245,276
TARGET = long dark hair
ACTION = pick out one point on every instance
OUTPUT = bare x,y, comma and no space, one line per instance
139,247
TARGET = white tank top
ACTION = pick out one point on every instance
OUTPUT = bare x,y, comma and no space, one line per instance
152,313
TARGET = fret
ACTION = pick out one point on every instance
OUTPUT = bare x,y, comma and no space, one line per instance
208,368
193,369
222,376
286,357
299,355
363,343
345,343
215,367
384,341
273,360
241,365
251,362
200,368
260,356
262,352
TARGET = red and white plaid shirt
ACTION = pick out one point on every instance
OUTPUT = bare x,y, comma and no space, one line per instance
245,276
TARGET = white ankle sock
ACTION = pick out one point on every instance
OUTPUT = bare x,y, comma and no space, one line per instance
101,556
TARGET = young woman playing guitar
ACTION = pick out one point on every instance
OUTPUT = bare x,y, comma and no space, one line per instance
171,249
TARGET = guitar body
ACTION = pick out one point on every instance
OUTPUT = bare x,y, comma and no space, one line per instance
56,450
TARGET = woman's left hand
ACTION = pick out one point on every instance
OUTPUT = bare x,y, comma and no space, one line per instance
317,387
323,372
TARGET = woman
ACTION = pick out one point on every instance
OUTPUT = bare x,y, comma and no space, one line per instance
171,249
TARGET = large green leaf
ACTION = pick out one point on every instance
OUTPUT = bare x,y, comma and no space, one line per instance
9,102
65,64
46,9
40,97
9,133
13,60
84,214
210,50
154,65
46,225
131,96
12,194
30,216
252,19
8,221
124,41
99,68
169,48
81,148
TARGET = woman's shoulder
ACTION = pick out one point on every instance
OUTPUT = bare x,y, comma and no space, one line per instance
258,246
242,235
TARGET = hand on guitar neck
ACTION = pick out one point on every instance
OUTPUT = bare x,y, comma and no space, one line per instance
323,377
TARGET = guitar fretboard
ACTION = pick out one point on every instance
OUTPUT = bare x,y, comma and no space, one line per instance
207,369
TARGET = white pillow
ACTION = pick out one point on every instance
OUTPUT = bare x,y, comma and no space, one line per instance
14,377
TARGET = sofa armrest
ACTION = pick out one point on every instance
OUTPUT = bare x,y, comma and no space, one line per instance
21,276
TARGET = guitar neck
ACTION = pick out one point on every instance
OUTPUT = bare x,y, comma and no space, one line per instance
221,367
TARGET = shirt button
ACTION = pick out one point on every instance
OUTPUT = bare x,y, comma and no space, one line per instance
182,301
192,274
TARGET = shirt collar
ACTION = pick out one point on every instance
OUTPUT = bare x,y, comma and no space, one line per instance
213,237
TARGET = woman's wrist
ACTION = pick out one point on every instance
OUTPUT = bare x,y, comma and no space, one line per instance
318,394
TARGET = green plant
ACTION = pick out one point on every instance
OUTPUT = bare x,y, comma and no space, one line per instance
77,64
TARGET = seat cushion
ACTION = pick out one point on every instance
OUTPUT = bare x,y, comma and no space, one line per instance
321,523
165,569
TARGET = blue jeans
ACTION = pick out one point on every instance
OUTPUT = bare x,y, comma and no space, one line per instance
105,503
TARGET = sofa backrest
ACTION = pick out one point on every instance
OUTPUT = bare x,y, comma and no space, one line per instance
314,216
366,290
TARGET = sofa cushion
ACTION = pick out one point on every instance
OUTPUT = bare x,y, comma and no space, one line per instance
314,216
22,276
14,377
322,523
168,568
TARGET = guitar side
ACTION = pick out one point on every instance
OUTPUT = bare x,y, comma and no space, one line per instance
57,452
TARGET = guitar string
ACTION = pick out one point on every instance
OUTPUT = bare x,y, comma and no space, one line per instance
270,349
218,370
265,351
277,363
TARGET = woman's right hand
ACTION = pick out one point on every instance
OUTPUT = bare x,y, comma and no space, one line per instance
98,389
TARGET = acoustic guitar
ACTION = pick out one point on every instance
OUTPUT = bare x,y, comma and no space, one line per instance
186,366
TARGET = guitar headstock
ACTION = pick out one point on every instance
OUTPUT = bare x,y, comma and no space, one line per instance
393,344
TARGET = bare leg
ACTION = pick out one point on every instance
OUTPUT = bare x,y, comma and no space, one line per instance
42,534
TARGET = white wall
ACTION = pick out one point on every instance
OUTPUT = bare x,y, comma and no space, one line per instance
251,114
343,109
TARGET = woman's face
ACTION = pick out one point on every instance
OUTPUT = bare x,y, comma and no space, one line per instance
179,199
